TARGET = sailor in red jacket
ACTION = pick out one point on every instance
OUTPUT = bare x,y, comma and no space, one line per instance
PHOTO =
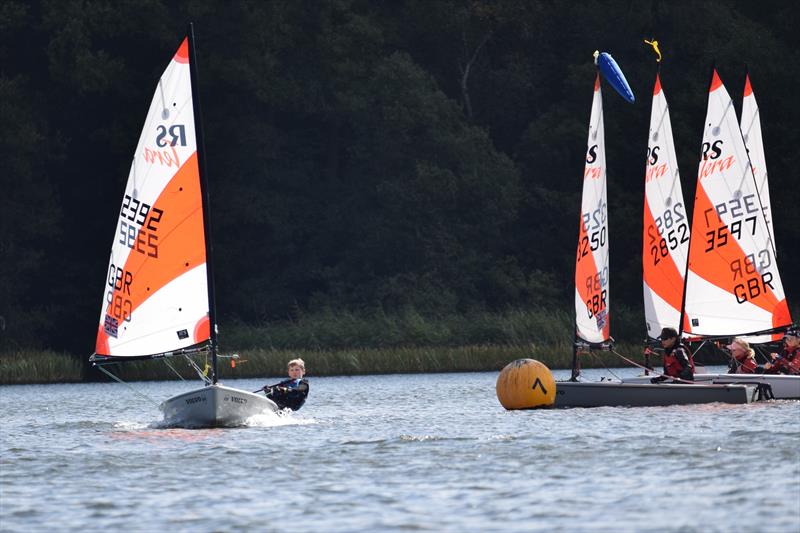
788,361
743,357
678,362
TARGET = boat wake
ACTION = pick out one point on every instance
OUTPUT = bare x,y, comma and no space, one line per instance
285,417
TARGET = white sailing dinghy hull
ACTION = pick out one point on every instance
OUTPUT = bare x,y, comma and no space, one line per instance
617,394
783,387
214,406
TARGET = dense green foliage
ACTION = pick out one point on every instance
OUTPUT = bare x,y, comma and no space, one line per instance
413,158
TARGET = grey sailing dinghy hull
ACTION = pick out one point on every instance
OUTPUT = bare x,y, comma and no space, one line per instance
214,406
783,387
617,394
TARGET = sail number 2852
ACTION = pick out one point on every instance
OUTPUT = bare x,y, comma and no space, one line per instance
667,232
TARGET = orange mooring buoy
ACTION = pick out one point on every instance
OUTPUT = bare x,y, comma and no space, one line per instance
525,384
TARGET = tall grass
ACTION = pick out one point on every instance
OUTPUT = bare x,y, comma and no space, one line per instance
34,366
345,343
338,330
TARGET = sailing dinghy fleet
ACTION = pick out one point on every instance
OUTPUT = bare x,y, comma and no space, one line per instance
719,280
158,300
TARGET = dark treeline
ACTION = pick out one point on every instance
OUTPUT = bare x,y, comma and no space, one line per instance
366,156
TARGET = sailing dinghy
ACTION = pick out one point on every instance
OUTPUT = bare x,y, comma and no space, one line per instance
592,299
158,300
733,286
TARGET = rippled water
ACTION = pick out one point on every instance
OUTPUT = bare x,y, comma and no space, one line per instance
400,452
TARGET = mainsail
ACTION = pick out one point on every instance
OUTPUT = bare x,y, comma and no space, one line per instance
591,265
751,130
733,286
156,295
666,224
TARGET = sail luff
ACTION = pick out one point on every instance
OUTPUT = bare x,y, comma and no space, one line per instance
201,156
750,123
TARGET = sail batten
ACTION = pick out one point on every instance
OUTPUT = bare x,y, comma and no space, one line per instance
156,296
733,285
592,295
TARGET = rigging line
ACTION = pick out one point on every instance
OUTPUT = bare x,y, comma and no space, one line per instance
197,369
656,372
115,378
596,358
166,361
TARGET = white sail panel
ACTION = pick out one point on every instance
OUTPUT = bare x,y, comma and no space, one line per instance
751,130
730,246
154,300
591,267
666,224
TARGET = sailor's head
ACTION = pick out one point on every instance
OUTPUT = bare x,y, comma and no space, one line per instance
668,337
740,349
792,336
296,368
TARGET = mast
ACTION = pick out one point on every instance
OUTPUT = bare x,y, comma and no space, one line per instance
201,164
689,247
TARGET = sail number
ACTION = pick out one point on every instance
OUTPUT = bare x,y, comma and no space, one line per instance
119,304
138,226
596,223
596,287
753,280
673,222
736,208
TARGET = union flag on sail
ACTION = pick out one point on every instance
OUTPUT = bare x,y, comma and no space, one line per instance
666,224
155,297
591,265
733,286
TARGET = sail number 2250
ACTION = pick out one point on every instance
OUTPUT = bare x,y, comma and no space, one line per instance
595,236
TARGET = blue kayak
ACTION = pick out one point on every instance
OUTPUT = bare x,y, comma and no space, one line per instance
613,74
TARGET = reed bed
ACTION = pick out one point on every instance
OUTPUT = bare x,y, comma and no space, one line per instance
36,366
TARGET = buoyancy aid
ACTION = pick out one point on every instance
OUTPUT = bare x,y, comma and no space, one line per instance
748,366
788,362
678,362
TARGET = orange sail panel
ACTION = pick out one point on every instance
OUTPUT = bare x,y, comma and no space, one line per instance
666,224
733,284
156,289
591,266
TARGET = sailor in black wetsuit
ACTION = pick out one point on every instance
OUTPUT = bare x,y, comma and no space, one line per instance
290,392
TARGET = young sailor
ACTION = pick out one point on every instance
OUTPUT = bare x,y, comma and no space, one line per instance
743,357
788,361
290,392
678,362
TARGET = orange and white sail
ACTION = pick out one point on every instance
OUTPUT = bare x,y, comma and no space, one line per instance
733,286
155,297
591,266
666,224
751,130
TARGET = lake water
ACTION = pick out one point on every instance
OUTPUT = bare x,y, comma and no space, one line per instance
399,452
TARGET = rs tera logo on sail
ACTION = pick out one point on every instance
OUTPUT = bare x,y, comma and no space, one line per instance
710,162
591,157
168,156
